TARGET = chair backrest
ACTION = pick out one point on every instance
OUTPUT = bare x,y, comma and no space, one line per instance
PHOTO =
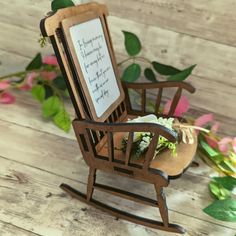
82,44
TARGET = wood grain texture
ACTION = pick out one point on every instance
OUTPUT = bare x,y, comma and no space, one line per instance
38,205
45,151
213,21
184,33
7,229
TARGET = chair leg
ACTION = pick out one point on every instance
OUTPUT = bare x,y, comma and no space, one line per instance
90,184
161,199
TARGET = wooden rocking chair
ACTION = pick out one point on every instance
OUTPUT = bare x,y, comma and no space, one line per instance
82,44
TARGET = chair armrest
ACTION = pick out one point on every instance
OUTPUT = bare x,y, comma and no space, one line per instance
156,85
84,131
81,125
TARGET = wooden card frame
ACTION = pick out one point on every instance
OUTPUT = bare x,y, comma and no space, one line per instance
75,20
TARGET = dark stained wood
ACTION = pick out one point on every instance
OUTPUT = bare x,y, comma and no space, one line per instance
110,146
129,148
123,214
175,102
100,141
143,105
127,195
151,151
158,101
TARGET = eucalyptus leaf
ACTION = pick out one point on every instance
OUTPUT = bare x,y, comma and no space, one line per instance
224,210
131,73
227,182
36,63
182,75
132,43
165,69
38,92
62,120
149,74
59,82
51,106
58,4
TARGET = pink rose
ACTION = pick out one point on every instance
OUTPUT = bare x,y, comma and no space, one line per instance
224,144
4,84
7,98
50,60
204,119
29,81
48,75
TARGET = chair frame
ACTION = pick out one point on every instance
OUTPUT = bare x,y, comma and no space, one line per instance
93,135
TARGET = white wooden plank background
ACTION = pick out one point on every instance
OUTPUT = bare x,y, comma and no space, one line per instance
172,32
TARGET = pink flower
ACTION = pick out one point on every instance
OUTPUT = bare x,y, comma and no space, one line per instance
224,143
211,141
29,81
48,75
181,108
30,78
234,144
7,98
25,87
204,119
215,127
4,84
50,60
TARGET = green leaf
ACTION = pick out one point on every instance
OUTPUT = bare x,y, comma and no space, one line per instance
62,120
224,210
132,43
48,91
131,73
227,182
149,74
228,165
38,92
51,106
182,75
36,63
165,69
58,4
219,191
210,151
59,82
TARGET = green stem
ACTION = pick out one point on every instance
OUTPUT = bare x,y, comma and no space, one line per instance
17,74
58,93
135,58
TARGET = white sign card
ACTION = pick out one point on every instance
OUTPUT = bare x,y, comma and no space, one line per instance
92,53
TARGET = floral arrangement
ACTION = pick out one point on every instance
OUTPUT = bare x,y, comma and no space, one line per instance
141,140
43,78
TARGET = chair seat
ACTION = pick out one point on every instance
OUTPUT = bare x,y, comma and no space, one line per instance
173,166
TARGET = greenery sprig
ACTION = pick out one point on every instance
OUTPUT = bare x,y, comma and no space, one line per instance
153,70
43,77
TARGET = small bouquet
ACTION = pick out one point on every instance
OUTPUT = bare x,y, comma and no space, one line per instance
141,140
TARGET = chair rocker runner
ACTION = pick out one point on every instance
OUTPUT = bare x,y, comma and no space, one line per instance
82,44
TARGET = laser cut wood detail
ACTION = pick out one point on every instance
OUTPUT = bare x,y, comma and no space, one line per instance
100,138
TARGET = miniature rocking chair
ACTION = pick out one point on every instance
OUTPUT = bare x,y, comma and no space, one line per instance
83,47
